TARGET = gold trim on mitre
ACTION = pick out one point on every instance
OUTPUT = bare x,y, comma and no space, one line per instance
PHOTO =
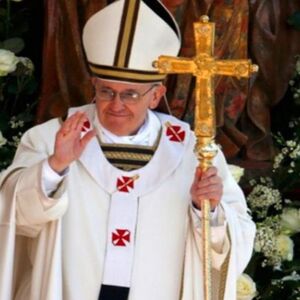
127,29
125,74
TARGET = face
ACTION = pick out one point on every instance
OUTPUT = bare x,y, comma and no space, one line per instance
125,117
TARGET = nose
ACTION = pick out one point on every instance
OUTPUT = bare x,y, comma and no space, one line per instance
116,104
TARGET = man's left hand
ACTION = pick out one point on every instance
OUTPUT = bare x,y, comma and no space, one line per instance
207,185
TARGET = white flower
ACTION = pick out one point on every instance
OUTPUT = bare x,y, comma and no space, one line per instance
293,277
291,144
252,182
291,124
290,220
298,66
16,141
264,240
8,62
285,247
262,198
246,288
288,201
3,140
278,159
295,153
236,171
14,123
27,63
285,150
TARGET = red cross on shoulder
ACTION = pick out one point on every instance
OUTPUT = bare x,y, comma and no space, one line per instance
120,238
175,133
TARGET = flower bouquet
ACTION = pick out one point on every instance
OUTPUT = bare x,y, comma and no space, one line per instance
275,265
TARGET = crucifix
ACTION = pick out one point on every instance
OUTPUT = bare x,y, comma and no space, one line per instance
204,67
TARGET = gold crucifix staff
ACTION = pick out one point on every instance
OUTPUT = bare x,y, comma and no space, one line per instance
204,67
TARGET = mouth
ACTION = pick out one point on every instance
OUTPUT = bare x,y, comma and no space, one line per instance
117,115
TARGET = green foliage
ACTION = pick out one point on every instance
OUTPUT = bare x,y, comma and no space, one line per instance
15,45
18,85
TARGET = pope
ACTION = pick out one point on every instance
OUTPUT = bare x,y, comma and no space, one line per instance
106,204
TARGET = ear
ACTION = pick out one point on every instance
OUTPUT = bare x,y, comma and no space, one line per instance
93,80
158,93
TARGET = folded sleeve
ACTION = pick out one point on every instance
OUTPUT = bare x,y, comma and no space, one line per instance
50,179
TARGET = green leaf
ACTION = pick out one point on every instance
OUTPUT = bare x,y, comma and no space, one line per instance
291,284
2,12
20,23
12,87
4,119
25,116
2,23
31,86
15,45
6,155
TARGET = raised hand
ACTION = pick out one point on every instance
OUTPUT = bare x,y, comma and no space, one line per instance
68,142
207,185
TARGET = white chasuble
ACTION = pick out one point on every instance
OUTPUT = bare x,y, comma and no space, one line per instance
73,241
125,189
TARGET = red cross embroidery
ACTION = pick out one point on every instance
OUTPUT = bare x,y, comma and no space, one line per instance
86,126
175,133
121,237
125,184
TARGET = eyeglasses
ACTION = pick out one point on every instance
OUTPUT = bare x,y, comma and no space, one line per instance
127,96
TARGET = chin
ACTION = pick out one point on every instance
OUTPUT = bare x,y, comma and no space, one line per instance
120,126
120,134
117,128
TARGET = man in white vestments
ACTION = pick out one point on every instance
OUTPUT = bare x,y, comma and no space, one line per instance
105,205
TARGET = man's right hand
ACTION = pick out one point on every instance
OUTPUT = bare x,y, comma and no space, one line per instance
68,142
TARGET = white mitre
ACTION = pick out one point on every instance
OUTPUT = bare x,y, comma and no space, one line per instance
123,40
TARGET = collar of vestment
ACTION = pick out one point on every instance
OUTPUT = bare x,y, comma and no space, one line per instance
130,152
146,135
129,157
171,148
